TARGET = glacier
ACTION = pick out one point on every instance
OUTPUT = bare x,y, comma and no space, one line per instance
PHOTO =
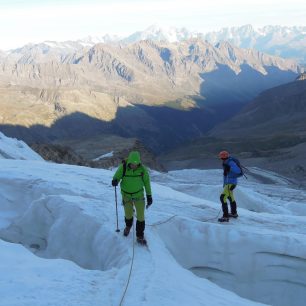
58,244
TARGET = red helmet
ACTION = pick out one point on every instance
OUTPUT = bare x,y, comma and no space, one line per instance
223,155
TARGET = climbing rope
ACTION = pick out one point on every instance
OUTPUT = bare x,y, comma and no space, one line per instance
167,220
162,222
133,252
131,267
210,219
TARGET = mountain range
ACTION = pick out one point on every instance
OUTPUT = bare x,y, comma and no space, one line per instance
284,41
132,90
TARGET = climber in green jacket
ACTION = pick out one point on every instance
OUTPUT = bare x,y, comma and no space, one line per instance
134,178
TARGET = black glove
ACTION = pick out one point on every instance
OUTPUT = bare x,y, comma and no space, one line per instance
114,182
149,201
226,169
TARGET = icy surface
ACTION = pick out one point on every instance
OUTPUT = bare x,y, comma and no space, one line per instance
59,245
16,149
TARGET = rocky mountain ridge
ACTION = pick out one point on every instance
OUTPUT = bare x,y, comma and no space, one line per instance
80,153
129,90
174,68
279,110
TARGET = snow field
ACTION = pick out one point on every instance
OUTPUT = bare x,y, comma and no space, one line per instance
59,245
55,225
278,197
67,213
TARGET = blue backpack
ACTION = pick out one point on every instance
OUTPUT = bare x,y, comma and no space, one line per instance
237,162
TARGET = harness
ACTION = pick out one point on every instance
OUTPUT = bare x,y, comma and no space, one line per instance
131,193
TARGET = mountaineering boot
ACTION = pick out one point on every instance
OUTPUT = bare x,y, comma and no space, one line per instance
140,227
233,213
126,231
223,219
128,225
142,240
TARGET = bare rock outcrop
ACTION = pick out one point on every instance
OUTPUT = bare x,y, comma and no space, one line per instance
66,155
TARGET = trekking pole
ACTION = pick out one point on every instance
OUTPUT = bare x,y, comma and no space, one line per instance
117,230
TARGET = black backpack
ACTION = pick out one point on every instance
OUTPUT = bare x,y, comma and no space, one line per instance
124,167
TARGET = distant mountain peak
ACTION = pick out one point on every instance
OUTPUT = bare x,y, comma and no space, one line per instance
283,41
158,33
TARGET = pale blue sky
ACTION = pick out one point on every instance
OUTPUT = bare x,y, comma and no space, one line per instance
38,20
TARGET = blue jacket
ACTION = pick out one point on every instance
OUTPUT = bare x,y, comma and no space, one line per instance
232,174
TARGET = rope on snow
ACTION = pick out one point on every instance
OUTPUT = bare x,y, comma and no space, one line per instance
131,268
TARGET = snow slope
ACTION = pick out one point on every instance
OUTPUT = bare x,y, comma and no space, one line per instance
16,149
59,245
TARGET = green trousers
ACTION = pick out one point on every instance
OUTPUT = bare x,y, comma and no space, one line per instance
228,192
138,203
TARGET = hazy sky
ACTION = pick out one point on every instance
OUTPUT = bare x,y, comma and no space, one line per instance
38,20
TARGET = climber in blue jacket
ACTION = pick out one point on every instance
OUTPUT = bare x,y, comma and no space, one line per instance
231,172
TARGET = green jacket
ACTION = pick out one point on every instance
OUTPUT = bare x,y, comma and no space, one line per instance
133,182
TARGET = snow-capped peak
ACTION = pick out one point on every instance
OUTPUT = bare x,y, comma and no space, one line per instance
158,33
271,39
92,40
